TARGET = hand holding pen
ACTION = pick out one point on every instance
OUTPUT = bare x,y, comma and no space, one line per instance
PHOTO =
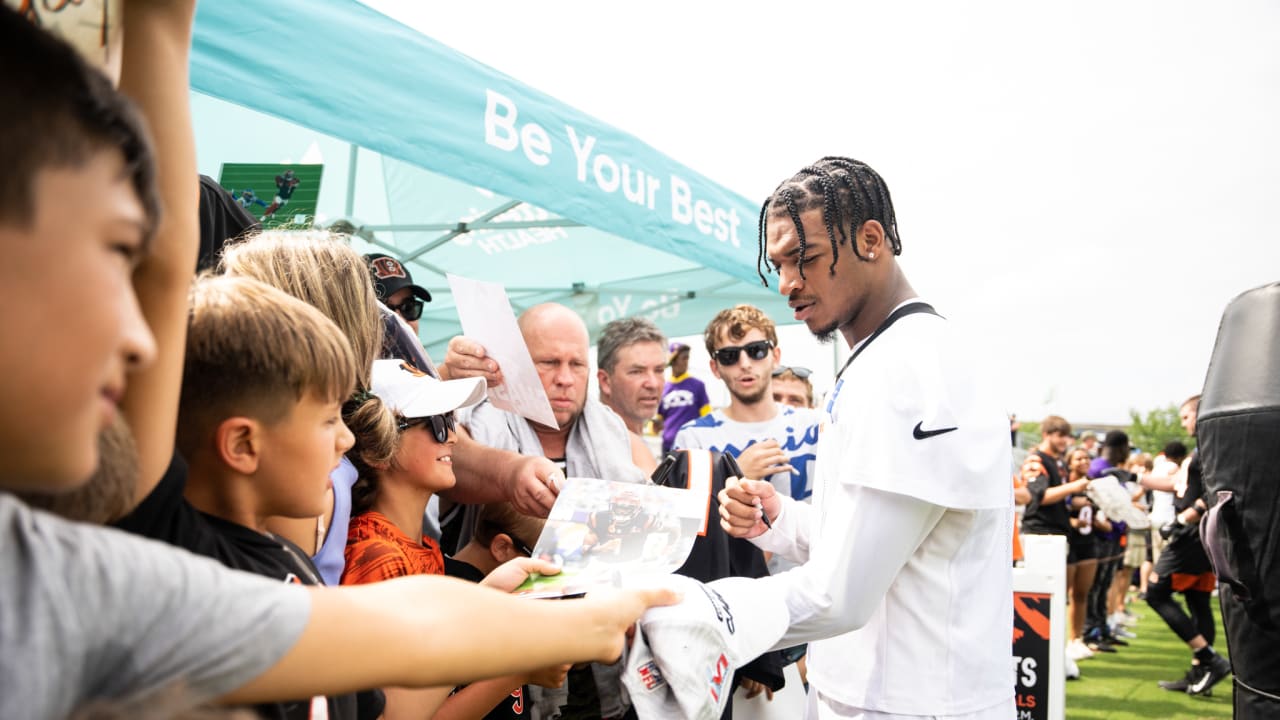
747,507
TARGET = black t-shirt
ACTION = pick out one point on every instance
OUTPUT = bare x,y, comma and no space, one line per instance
1195,485
165,515
221,219
515,705
1041,519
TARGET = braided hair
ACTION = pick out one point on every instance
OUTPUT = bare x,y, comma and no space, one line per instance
849,193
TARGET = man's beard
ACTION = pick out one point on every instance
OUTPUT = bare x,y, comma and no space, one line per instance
109,494
753,398
826,336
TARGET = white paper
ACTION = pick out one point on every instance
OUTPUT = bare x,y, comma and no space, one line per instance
487,318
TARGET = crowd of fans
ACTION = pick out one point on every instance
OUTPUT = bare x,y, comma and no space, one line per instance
282,419
1107,559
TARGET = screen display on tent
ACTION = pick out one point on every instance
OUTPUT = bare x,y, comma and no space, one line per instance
276,194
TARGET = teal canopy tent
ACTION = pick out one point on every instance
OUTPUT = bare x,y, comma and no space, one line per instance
481,176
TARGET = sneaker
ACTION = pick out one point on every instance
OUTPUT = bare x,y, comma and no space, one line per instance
1218,668
1122,618
1125,633
1182,683
1111,639
1073,670
1100,646
1077,650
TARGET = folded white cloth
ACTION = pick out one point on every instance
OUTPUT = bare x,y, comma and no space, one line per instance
1111,498
682,661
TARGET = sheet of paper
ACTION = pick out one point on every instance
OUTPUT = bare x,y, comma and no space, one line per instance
487,318
613,533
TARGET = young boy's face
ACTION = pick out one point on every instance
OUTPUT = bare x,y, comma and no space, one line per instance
298,454
70,329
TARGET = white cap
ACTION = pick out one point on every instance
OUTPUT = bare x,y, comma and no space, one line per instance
684,656
414,394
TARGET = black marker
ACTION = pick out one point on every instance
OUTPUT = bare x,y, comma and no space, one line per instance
763,515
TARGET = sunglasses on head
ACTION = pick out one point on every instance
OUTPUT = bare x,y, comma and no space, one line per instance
410,309
800,372
756,351
521,545
441,425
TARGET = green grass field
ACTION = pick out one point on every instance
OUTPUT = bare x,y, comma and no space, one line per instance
1122,685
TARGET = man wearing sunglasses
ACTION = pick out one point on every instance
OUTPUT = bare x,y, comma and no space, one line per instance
771,442
395,288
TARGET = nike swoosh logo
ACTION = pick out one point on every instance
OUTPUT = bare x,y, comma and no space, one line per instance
920,434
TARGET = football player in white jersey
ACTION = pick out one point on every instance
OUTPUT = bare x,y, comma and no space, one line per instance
905,591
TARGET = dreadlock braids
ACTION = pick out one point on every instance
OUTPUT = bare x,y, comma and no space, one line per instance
849,193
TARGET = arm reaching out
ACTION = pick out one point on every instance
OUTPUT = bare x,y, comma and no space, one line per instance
377,635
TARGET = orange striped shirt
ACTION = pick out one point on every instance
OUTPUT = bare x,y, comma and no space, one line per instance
378,550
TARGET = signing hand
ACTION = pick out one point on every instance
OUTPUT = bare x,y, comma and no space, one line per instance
743,503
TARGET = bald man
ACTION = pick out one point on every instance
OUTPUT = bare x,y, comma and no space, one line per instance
558,342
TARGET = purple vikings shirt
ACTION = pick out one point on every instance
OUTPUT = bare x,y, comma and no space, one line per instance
683,399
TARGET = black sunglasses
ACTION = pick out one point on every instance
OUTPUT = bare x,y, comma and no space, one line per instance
756,351
441,425
410,309
520,544
800,372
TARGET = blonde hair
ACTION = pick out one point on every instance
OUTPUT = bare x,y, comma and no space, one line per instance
735,323
320,268
377,440
254,351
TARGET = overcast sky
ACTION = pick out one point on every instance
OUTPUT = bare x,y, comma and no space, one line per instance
1085,185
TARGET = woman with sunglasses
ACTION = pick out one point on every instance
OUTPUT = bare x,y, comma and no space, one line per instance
402,455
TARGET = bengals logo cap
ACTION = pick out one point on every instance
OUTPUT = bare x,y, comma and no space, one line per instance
391,276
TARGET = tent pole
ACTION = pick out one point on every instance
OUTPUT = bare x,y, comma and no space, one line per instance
460,229
351,179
